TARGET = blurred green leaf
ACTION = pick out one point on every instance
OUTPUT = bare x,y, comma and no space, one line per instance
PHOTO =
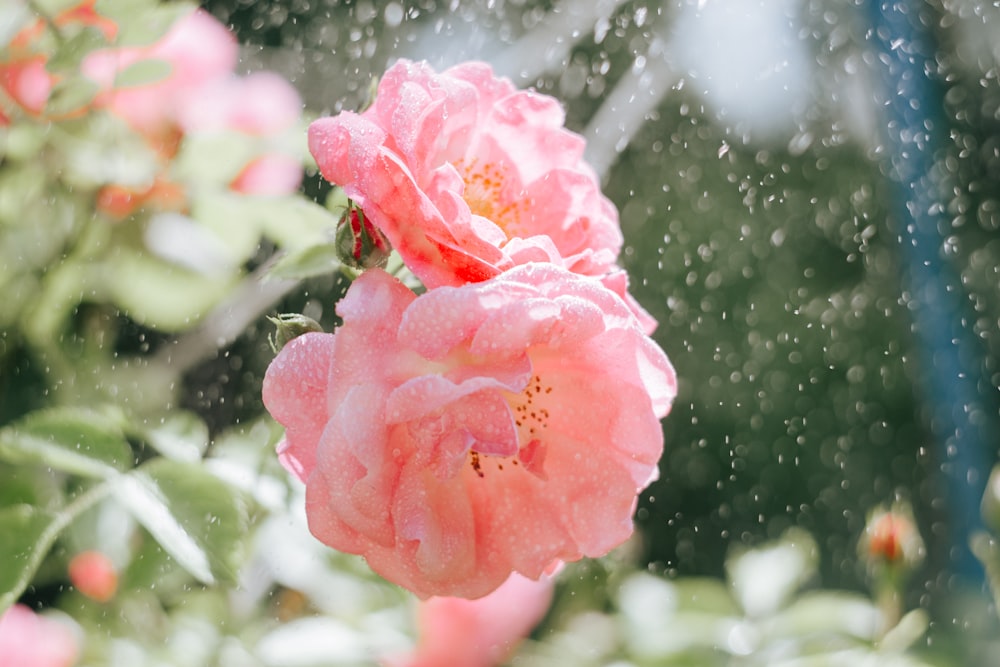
197,518
763,579
71,96
213,158
162,295
53,7
72,51
294,222
232,217
307,262
826,612
181,436
143,72
141,22
907,632
23,544
70,440
14,16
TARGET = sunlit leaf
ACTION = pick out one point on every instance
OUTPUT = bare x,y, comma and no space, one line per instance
827,612
198,519
70,440
182,436
71,96
141,22
213,158
162,295
23,544
13,17
143,72
293,222
307,262
53,7
73,50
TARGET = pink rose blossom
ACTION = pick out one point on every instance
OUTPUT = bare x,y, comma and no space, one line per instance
27,82
468,176
455,632
198,48
474,431
261,103
31,640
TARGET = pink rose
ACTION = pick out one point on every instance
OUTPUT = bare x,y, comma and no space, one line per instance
455,632
198,48
27,82
468,176
474,431
262,103
30,640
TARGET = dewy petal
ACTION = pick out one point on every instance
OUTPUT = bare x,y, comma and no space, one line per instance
295,393
476,431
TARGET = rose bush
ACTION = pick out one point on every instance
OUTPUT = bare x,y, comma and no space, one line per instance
473,431
197,94
468,176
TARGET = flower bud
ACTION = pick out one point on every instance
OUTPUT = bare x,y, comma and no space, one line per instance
891,541
289,326
94,575
360,244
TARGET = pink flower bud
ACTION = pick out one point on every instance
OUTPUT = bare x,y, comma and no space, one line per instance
94,575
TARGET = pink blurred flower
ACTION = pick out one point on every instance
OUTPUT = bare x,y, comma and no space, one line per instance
24,77
261,103
273,174
27,82
201,94
471,432
468,176
455,632
199,50
30,640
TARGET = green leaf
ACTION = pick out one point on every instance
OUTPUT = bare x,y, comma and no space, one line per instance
196,517
13,17
71,96
295,222
25,538
162,295
71,52
142,22
143,72
213,158
182,436
68,439
307,262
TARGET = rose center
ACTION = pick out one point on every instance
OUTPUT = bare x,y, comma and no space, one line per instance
484,193
531,418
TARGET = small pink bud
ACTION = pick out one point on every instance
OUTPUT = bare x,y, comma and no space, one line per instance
94,575
891,540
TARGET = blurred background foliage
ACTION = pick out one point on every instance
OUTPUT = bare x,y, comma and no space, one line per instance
743,145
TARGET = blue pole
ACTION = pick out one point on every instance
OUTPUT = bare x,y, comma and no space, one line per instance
948,353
